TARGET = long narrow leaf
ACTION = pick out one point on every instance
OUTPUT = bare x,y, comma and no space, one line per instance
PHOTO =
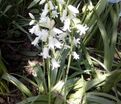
17,83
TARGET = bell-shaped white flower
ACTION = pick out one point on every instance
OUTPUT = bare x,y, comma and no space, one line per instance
76,41
55,64
57,43
64,15
45,53
45,11
42,2
57,31
81,29
75,55
54,13
73,9
53,42
47,22
44,35
51,6
35,29
36,41
66,25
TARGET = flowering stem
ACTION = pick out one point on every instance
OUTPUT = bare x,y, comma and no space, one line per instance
49,81
68,66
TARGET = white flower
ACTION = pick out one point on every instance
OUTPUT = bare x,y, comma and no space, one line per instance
51,6
45,53
66,25
36,41
57,31
55,64
64,15
81,29
42,2
44,35
57,43
62,36
43,20
47,22
75,55
76,41
35,29
73,9
53,42
45,11
54,14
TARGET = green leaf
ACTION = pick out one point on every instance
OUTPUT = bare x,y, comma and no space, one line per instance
40,99
33,3
40,79
17,83
7,8
3,68
112,80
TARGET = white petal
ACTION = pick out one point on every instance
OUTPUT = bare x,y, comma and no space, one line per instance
76,41
45,53
51,5
36,41
42,2
57,31
54,13
51,42
55,64
81,28
32,22
44,13
66,25
57,43
31,15
73,9
75,55
44,35
64,15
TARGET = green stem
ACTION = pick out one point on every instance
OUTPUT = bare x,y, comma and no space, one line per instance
68,66
49,81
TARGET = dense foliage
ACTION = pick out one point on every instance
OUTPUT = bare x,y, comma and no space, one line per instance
78,43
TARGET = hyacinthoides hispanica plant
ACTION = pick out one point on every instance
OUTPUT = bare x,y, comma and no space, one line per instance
59,31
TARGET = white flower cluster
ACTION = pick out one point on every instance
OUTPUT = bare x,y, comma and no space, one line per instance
53,38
